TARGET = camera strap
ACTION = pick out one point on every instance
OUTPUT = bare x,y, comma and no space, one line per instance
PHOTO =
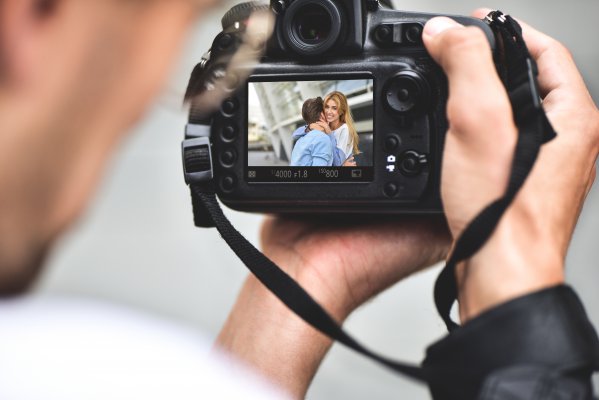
287,289
534,129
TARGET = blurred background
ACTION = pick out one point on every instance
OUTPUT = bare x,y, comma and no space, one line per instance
137,245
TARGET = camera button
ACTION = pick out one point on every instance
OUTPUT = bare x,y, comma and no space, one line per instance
414,33
391,143
391,189
229,133
398,34
228,183
412,163
228,157
229,107
383,34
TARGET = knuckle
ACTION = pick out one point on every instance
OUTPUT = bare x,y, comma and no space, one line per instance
559,49
466,37
456,42
482,112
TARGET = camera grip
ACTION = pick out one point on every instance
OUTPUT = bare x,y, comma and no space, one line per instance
469,21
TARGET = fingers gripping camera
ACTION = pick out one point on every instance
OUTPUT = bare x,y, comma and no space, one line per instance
345,111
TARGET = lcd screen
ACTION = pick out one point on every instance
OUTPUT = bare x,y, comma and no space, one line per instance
310,131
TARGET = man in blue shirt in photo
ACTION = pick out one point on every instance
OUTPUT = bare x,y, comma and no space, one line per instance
314,148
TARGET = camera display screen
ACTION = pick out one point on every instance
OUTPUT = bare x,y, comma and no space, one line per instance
310,131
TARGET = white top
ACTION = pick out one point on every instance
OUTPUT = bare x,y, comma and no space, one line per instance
59,349
344,141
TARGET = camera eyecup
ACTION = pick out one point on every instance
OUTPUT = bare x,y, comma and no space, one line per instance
312,27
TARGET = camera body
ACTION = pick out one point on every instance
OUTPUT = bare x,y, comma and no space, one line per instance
394,91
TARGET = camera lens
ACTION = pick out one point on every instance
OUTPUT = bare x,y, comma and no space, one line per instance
311,27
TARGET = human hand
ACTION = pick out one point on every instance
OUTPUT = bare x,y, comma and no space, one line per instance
350,162
528,248
321,125
341,264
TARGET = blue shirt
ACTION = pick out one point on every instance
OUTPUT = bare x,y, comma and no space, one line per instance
338,155
313,149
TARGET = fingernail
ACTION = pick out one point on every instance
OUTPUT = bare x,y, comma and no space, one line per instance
439,24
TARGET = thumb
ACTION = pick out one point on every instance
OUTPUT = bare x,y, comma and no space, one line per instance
477,98
481,137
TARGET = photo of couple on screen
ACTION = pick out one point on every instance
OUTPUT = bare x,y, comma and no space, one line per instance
310,123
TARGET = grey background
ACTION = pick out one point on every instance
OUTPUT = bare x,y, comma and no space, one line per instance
137,246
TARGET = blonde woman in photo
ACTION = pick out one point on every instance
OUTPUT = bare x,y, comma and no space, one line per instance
339,118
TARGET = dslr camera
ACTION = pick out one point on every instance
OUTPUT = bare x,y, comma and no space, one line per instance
383,99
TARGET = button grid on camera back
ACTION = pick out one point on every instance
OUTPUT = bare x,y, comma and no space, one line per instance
229,107
229,133
228,157
392,142
228,183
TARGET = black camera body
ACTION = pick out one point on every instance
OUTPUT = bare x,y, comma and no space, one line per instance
396,94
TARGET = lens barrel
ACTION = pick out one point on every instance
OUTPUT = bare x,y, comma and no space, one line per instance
312,27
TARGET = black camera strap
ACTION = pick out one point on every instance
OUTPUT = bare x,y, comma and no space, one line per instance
534,129
287,289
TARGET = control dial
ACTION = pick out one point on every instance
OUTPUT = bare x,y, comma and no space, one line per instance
408,92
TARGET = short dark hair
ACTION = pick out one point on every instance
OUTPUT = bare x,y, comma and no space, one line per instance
312,109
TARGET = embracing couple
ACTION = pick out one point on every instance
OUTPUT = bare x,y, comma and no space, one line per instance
329,137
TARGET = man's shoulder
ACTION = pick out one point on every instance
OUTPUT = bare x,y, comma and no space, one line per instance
299,132
318,135
321,140
83,347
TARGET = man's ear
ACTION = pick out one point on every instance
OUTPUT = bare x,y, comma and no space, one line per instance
21,23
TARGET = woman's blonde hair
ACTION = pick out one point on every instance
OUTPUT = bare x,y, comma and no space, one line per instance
345,117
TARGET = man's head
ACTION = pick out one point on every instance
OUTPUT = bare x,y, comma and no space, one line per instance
74,76
312,110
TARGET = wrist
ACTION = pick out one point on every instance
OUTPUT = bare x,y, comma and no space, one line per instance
520,257
314,274
262,332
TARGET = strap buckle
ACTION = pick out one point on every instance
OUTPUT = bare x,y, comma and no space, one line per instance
197,160
495,17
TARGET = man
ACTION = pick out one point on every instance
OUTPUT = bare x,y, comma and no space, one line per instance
75,74
313,147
